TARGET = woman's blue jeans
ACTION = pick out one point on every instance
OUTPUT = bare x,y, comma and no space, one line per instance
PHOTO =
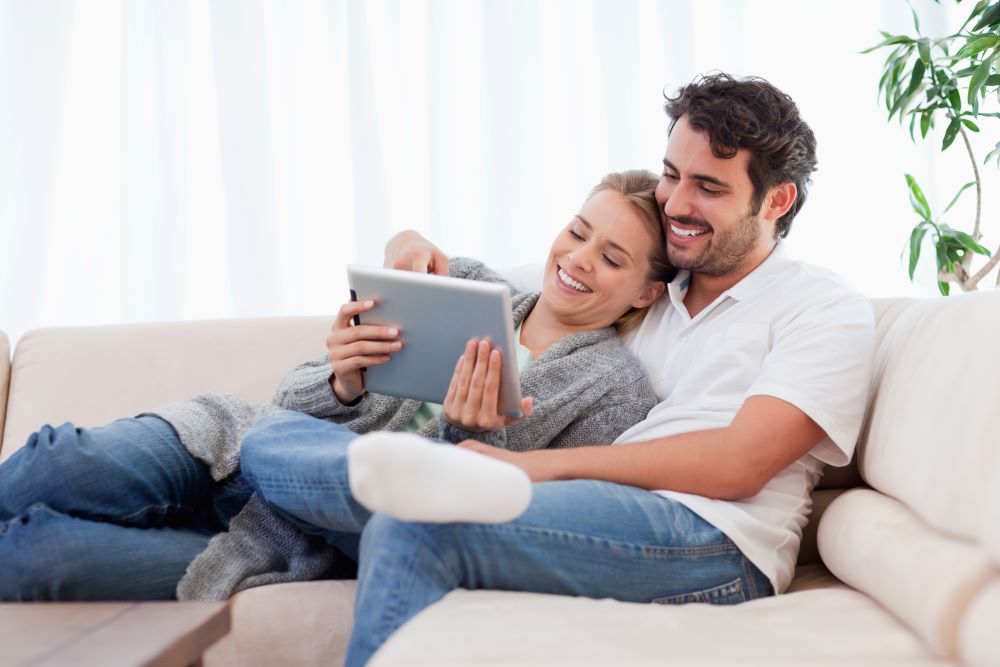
587,538
110,513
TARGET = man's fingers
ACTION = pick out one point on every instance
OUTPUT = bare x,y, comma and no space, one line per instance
439,262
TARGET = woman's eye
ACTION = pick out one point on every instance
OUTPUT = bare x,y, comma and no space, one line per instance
610,262
575,235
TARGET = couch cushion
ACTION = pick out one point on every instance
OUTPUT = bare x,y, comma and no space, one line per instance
979,642
934,410
93,375
494,628
878,546
299,624
4,378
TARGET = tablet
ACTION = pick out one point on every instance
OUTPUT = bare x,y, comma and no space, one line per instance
436,316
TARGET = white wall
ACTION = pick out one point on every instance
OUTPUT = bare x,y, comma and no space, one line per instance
175,160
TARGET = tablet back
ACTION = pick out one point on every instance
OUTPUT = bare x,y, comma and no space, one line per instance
436,316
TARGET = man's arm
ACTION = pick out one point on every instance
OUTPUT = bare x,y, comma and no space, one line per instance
410,251
766,436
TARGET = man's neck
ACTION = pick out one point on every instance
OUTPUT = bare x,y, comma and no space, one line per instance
705,289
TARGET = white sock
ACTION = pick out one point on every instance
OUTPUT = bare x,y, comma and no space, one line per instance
414,479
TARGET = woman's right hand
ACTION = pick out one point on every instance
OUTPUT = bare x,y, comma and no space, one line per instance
351,348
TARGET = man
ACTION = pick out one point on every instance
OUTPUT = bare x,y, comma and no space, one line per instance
762,365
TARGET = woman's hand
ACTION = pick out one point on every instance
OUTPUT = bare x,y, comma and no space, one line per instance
410,251
352,348
539,465
473,400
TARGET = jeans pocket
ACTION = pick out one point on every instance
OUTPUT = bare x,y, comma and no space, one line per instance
731,592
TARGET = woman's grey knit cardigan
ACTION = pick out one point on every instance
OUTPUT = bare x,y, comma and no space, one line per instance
587,389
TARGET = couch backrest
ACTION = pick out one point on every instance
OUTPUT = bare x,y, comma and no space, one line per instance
925,540
4,378
93,375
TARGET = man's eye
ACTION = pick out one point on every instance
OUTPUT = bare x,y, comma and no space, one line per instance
710,191
669,177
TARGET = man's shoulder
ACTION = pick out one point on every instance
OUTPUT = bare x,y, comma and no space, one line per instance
815,286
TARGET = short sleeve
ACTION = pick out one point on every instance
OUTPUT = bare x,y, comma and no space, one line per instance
821,362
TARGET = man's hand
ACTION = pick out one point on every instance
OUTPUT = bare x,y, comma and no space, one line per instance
353,348
410,251
473,400
539,465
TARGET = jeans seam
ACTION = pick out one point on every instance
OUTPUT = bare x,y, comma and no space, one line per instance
652,551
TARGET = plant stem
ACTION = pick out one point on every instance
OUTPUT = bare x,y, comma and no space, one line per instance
979,184
970,284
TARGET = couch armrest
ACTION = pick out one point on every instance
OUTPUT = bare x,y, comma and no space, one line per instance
4,379
93,375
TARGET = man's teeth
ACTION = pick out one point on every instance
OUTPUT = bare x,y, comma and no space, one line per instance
686,232
580,287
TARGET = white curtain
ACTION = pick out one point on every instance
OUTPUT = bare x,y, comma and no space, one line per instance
163,159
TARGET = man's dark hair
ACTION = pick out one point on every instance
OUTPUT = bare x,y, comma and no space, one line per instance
751,114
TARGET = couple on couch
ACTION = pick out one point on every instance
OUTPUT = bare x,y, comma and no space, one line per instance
753,368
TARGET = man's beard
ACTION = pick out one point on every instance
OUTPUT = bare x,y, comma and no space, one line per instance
723,252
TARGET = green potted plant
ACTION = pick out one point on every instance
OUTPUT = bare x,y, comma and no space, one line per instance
946,81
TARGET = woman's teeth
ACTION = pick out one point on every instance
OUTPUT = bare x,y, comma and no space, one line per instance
686,232
569,282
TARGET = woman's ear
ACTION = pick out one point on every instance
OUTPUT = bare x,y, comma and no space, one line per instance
653,292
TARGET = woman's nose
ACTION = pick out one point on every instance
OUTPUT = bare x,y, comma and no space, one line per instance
580,258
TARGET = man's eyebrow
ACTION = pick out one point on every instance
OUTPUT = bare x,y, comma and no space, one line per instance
610,243
700,177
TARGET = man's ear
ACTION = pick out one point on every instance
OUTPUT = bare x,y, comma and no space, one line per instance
778,201
650,295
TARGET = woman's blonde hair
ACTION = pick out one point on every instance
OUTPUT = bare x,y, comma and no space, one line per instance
637,188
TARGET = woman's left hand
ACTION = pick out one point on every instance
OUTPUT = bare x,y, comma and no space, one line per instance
538,464
473,400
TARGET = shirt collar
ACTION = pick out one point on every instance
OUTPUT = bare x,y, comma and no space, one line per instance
750,285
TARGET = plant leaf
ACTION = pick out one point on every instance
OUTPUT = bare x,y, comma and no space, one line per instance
979,78
924,49
960,191
978,45
969,243
925,124
916,239
990,17
969,124
950,133
955,100
916,20
917,199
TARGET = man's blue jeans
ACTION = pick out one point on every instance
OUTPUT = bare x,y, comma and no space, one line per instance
110,513
587,538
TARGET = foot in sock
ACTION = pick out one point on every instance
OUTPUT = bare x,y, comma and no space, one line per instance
414,479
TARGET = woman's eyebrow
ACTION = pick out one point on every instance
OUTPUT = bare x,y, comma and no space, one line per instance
610,243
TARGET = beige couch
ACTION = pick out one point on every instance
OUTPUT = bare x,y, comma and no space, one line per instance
914,555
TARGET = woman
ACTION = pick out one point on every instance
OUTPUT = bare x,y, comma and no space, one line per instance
143,484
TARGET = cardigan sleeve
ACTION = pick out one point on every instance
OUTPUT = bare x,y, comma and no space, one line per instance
307,390
608,418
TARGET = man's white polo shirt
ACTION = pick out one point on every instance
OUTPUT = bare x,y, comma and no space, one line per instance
788,330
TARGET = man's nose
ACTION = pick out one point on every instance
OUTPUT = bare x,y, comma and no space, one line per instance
679,202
